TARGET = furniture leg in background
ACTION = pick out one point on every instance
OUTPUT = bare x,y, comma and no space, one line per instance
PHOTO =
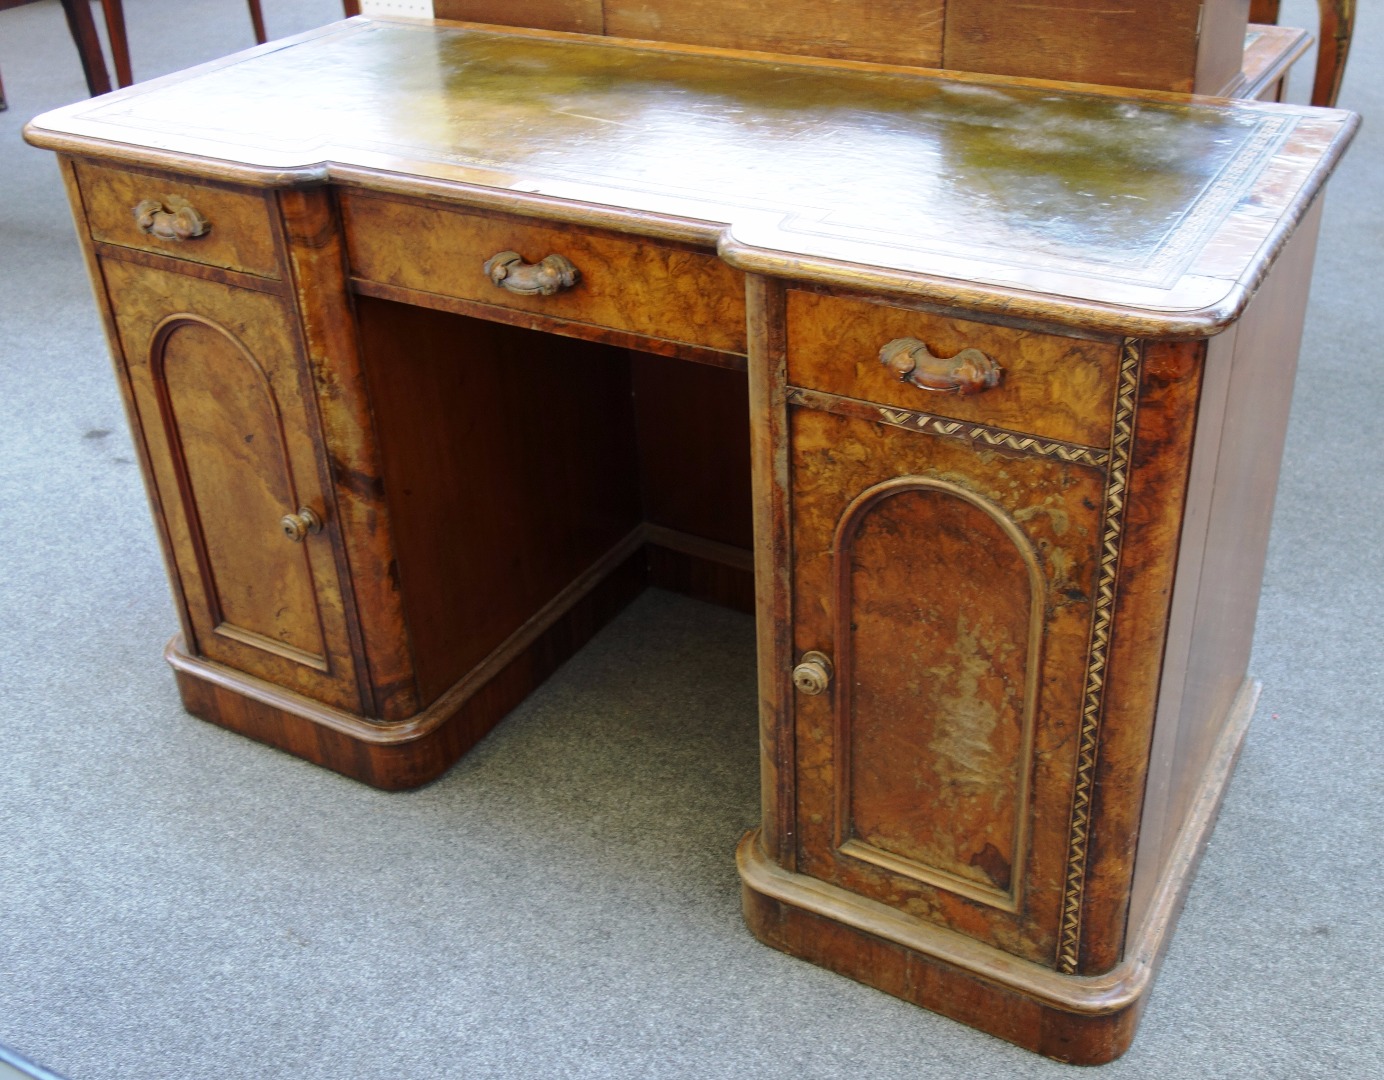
84,36
120,42
257,21
1338,23
83,28
1337,26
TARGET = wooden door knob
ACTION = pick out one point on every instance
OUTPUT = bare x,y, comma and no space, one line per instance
299,526
813,675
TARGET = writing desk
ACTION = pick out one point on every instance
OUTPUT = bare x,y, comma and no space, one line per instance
437,341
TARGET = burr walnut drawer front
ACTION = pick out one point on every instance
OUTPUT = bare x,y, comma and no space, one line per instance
627,284
189,220
1040,384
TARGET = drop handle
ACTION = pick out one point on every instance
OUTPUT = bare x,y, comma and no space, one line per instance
968,372
170,219
546,277
813,674
297,527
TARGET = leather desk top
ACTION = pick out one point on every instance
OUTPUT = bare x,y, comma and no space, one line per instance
1124,212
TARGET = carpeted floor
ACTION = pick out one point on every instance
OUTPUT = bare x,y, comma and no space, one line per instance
178,903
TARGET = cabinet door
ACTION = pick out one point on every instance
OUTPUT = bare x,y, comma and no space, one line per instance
951,588
229,427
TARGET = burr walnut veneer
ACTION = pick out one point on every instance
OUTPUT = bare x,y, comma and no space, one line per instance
440,341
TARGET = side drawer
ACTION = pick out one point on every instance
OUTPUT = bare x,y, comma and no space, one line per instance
1056,387
638,286
238,232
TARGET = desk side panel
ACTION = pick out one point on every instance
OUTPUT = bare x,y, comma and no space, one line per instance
1142,526
122,377
1241,431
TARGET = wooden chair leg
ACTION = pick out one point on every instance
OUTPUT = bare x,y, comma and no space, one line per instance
3,103
120,44
1264,12
1338,23
257,21
83,28
350,7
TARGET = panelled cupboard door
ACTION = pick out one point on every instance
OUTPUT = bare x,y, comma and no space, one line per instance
950,589
228,427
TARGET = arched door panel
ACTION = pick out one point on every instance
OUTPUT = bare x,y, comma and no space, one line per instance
228,427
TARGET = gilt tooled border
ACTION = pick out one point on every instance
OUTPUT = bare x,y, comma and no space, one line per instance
1078,844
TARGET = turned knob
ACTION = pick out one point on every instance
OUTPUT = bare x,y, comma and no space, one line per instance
814,673
300,525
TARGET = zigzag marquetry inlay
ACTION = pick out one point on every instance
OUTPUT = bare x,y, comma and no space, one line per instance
952,429
1078,844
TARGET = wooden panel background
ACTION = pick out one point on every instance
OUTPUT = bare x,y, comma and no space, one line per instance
887,31
493,513
1155,44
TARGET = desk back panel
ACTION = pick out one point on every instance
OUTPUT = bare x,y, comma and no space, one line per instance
1180,45
694,448
509,463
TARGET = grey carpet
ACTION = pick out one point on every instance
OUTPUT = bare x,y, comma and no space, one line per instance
177,902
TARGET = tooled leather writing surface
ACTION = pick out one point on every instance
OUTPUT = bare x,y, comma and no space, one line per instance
1136,199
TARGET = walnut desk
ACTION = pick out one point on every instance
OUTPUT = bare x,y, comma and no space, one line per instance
441,341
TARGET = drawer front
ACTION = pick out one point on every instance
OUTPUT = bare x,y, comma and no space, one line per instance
631,285
1055,387
141,210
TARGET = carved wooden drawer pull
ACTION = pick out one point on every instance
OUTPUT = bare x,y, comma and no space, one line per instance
543,278
171,219
297,527
813,675
968,372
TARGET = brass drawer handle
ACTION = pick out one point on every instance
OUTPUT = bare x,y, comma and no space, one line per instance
172,219
968,372
543,278
297,527
813,675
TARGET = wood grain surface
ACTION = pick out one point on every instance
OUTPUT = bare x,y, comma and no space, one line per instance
1057,387
240,236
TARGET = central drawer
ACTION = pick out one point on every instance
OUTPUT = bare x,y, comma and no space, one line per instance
1057,387
633,285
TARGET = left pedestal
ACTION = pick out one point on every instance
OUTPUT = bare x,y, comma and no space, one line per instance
360,547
